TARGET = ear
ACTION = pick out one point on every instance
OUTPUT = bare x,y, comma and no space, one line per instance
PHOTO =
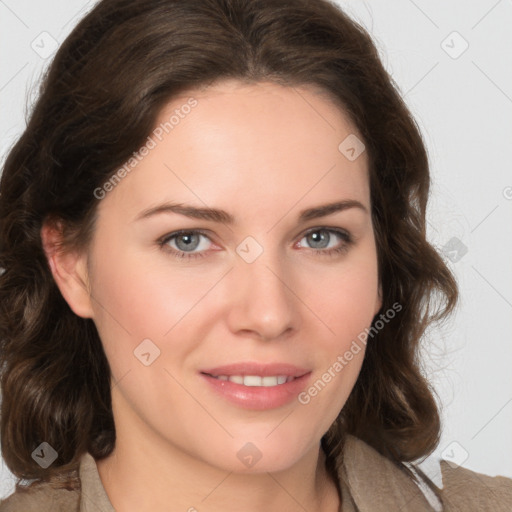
69,270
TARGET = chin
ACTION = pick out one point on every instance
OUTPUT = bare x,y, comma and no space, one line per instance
260,456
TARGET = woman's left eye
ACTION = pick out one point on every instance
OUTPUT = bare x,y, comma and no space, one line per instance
321,238
181,244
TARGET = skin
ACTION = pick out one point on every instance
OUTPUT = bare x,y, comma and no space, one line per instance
263,153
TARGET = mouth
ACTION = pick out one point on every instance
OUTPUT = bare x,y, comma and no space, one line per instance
257,386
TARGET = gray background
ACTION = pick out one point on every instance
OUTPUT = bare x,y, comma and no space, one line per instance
453,63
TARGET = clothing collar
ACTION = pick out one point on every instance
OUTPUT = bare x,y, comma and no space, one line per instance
93,497
371,482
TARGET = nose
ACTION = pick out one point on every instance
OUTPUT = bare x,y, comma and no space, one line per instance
262,300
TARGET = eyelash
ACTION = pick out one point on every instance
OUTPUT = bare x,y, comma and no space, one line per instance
162,242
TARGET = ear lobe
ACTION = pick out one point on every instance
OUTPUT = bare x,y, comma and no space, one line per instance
69,270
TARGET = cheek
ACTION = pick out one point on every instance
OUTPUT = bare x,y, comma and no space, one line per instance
346,298
347,310
136,300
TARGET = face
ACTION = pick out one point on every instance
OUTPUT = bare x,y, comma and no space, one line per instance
272,280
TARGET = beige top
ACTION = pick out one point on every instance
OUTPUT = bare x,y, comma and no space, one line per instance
369,483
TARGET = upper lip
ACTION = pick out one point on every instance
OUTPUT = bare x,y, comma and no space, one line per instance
253,368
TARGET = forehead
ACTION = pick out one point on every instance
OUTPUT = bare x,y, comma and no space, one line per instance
257,145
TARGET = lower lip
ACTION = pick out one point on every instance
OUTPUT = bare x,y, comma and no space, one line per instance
258,397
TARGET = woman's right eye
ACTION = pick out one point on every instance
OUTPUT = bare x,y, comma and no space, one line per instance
184,243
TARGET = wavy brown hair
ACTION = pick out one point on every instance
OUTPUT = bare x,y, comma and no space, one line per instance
98,103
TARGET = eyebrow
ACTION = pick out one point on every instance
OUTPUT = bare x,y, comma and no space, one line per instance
217,215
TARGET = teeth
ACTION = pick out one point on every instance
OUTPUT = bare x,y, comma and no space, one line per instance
256,380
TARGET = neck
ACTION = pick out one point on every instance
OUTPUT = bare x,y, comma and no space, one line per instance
154,476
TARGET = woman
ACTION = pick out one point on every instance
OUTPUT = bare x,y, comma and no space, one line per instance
216,271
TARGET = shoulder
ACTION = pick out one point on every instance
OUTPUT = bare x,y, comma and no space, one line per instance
41,498
77,490
464,489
